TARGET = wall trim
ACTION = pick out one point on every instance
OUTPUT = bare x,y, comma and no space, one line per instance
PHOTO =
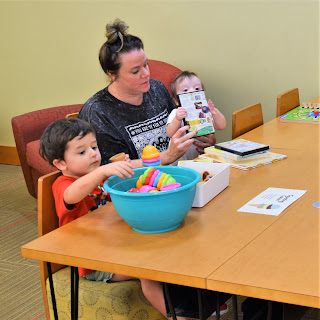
9,155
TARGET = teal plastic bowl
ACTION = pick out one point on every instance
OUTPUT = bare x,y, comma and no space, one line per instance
156,211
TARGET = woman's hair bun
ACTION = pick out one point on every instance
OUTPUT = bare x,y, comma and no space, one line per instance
116,30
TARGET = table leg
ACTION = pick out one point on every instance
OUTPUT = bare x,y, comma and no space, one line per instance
167,293
218,306
235,307
201,317
269,316
74,292
53,297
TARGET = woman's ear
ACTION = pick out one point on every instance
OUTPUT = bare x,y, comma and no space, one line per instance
60,164
111,75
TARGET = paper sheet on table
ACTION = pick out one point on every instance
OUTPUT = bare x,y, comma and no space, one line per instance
272,201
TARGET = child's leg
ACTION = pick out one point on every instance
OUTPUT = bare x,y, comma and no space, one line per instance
119,277
153,291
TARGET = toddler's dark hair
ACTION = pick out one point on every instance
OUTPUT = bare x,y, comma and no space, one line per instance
55,137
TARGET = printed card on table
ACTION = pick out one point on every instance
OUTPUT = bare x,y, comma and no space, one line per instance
272,201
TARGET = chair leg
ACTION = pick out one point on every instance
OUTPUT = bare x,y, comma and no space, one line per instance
53,297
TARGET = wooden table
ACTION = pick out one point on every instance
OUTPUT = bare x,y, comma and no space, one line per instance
217,247
283,262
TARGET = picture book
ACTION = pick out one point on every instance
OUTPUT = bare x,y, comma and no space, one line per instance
242,147
232,156
307,113
272,201
199,116
248,164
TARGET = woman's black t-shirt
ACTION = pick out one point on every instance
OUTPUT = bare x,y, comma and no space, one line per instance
123,127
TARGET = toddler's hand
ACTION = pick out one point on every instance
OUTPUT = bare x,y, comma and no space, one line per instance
211,107
120,169
127,158
181,113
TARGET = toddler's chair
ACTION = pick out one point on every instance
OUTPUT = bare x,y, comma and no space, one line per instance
117,300
287,101
246,119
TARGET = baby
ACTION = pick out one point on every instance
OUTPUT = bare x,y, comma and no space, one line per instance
183,83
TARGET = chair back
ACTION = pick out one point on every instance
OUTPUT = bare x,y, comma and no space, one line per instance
47,221
246,119
163,72
287,101
27,129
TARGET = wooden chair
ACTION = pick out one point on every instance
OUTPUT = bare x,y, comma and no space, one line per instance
72,115
246,119
106,296
287,101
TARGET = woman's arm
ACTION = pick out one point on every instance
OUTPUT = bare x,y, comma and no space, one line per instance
179,145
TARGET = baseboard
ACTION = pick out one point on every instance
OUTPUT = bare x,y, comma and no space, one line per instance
9,155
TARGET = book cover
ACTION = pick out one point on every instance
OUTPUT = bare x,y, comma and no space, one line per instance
232,156
242,147
199,116
307,113
270,157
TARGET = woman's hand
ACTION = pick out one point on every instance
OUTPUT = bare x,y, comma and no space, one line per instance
179,145
205,141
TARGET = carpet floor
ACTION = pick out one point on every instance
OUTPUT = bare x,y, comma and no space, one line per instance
21,295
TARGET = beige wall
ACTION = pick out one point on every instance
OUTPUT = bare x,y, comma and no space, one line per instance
244,51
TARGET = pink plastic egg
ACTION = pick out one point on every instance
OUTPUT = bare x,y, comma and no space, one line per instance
146,188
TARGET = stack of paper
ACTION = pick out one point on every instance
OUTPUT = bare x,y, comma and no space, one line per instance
248,163
232,156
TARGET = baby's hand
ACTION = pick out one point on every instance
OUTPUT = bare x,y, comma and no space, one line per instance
120,169
181,113
211,107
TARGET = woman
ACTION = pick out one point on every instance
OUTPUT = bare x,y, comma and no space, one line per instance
132,111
